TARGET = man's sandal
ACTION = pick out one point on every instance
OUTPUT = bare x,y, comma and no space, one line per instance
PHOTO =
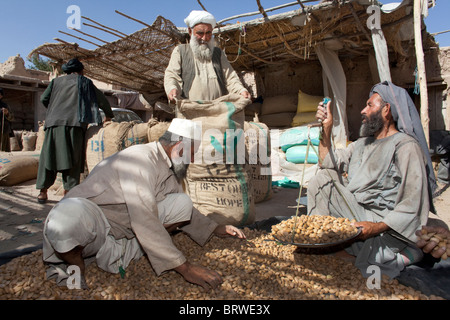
42,197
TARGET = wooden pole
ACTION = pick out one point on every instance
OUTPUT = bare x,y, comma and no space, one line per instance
421,72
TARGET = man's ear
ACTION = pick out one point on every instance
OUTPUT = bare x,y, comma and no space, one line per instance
178,148
387,111
190,31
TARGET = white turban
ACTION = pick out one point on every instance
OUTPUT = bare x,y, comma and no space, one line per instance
186,128
198,16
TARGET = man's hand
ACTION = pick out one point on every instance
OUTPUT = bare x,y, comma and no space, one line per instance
199,275
324,114
229,230
5,111
429,246
371,229
173,94
246,94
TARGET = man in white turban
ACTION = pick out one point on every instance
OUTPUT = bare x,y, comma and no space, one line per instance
200,70
127,207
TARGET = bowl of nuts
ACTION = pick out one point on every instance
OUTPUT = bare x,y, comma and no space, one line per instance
315,231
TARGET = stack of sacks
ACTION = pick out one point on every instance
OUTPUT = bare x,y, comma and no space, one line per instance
306,109
278,111
104,141
294,143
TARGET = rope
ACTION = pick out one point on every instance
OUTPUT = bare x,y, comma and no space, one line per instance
242,34
309,144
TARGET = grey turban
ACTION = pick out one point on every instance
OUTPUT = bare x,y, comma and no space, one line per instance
407,119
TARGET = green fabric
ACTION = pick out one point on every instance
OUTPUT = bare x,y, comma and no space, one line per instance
62,151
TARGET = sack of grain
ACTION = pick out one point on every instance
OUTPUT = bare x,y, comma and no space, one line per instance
40,136
297,154
14,144
219,185
306,109
279,104
15,169
278,120
104,141
299,136
18,135
137,134
303,118
29,140
156,130
307,103
257,142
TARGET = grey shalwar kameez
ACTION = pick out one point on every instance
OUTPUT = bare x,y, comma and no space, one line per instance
390,180
386,183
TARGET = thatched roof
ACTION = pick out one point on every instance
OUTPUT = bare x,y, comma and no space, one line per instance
137,61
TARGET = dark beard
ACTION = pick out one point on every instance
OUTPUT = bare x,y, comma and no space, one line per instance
372,125
180,170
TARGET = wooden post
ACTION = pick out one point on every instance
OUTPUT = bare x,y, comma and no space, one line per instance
421,69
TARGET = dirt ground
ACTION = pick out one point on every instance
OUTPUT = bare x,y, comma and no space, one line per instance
22,217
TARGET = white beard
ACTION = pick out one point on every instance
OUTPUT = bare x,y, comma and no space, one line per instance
202,52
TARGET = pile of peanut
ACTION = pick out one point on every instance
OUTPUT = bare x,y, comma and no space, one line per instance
314,229
254,269
441,240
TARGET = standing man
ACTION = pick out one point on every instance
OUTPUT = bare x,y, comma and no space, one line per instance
128,206
390,180
200,70
72,102
5,117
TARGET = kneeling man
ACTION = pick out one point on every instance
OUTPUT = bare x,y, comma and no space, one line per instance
127,207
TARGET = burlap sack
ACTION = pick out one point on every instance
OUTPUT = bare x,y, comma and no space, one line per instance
257,143
40,136
104,141
29,140
14,144
137,134
278,120
17,169
307,103
156,130
94,146
220,190
18,135
303,118
279,104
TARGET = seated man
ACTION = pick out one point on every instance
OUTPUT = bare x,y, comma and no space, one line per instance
389,184
127,207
